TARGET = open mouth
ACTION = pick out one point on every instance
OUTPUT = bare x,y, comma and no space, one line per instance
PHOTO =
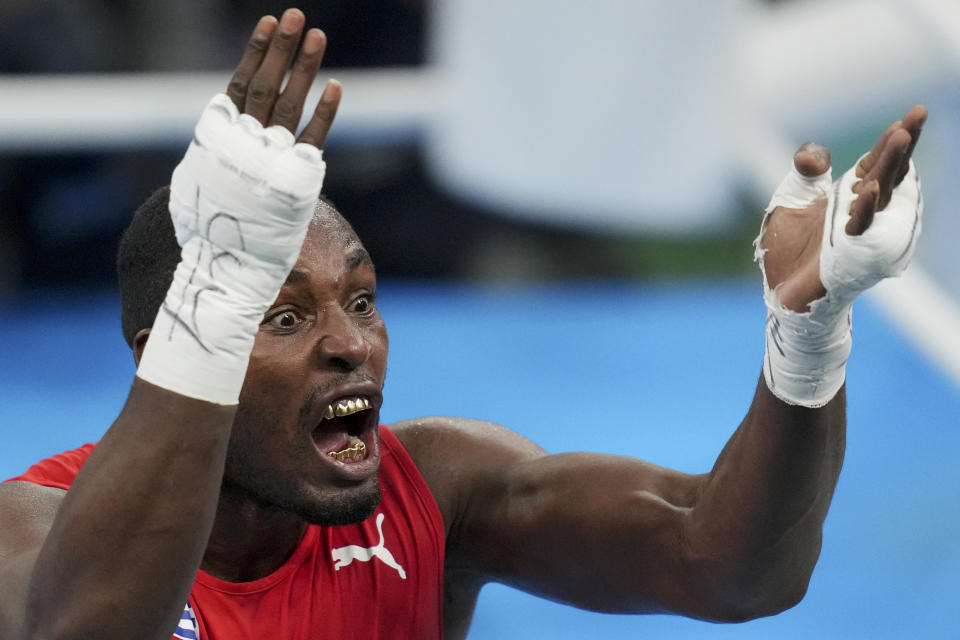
346,429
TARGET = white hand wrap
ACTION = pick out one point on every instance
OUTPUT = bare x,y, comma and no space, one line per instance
806,353
241,200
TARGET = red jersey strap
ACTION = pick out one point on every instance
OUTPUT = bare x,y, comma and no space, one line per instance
58,471
398,452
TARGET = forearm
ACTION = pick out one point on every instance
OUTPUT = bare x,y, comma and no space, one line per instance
754,532
128,539
131,533
756,525
768,494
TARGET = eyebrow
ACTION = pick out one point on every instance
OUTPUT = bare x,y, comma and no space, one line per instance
354,259
358,257
296,277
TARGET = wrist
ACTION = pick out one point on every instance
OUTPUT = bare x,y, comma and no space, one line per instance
806,353
204,331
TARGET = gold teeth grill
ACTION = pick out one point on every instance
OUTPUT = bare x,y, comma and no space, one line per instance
357,450
346,407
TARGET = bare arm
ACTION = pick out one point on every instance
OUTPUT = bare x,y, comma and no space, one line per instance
617,534
62,575
123,550
127,538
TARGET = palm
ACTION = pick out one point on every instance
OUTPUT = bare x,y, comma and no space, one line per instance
792,236
792,239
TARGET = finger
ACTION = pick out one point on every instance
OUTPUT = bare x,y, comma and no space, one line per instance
265,84
289,105
252,57
812,159
868,161
913,122
887,166
863,208
317,129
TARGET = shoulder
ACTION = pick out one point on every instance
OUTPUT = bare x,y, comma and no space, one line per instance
425,435
29,502
462,460
452,449
27,511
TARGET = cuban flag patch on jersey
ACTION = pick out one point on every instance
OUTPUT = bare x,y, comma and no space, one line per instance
187,628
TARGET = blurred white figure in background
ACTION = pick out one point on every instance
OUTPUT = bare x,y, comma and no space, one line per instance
648,115
587,113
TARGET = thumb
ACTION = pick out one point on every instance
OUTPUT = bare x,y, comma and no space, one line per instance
812,160
809,179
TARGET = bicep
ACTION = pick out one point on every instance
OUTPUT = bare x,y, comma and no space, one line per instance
605,533
26,514
600,532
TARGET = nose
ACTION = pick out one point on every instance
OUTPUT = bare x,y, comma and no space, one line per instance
342,345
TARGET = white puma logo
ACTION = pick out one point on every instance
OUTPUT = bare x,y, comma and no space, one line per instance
342,556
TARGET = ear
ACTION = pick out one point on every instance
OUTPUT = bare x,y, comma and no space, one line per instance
139,342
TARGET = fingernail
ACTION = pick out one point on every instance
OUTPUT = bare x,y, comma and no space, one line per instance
291,20
328,91
264,28
312,41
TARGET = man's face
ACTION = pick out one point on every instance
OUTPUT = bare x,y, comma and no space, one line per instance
321,352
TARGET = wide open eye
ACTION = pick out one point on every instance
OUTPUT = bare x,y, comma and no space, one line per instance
284,320
363,305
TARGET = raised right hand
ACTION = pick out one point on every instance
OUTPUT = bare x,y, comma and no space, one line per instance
240,202
255,87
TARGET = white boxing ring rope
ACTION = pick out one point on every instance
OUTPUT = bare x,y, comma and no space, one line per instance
74,112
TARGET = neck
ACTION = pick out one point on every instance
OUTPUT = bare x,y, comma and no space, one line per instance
250,539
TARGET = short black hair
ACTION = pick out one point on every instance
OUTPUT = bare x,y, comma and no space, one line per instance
146,259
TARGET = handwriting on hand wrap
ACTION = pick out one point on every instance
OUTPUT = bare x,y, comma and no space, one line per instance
209,255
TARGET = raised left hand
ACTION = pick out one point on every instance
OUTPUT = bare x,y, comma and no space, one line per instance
792,236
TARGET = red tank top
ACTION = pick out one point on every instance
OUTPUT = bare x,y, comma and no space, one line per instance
381,578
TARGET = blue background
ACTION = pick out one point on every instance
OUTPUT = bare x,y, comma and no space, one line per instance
660,372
